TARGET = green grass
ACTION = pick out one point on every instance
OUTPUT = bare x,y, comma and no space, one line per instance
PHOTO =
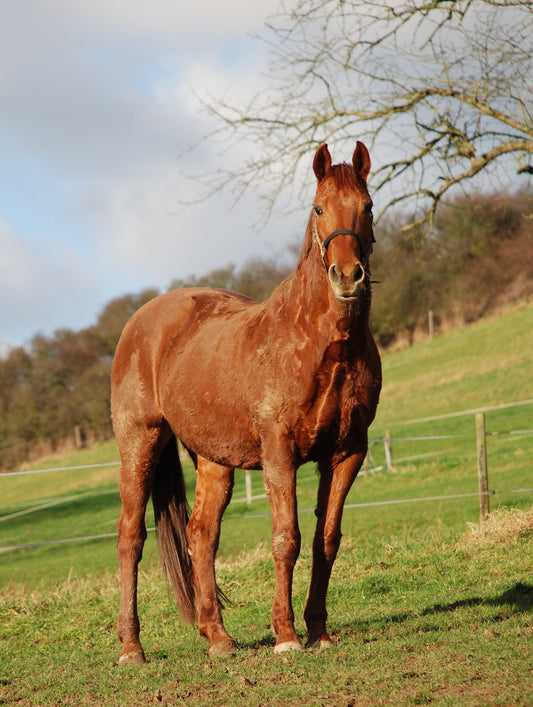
416,620
422,610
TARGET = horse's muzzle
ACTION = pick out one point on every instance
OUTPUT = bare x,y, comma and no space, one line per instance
347,282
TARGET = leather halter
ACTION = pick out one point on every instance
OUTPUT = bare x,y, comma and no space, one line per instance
346,232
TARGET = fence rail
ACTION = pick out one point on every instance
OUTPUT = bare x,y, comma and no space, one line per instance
59,468
463,413
249,516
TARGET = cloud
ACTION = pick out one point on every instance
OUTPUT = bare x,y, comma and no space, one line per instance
98,101
167,18
40,291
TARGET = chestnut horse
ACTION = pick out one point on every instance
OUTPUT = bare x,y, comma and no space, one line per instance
251,385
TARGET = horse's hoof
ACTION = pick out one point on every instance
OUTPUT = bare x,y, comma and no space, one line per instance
223,649
319,644
288,646
133,658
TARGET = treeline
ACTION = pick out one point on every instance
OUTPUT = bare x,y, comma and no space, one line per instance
479,257
60,384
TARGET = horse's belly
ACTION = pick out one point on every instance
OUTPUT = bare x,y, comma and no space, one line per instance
215,433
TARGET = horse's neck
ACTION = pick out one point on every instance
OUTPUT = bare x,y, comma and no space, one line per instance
308,297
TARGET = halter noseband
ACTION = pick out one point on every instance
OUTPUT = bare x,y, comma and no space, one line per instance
345,232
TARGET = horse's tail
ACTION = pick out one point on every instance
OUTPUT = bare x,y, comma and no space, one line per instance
171,517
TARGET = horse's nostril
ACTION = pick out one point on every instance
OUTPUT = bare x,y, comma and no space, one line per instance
359,273
335,274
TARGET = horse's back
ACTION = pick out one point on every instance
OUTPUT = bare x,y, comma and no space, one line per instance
162,319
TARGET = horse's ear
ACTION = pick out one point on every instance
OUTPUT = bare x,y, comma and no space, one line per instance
322,162
361,160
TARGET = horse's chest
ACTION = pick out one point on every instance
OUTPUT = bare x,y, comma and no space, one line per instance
330,416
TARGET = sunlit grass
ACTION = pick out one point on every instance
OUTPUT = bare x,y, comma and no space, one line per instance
421,618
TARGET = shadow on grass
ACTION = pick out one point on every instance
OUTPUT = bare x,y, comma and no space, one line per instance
520,595
267,641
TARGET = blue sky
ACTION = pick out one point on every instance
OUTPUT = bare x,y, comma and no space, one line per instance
97,101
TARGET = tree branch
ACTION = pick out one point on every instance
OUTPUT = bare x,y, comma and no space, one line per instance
439,88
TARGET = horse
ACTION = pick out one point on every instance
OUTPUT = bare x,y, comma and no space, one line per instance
250,385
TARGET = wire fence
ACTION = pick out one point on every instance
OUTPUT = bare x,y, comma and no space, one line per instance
392,451
383,456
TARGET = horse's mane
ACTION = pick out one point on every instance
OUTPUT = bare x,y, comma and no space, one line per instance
344,175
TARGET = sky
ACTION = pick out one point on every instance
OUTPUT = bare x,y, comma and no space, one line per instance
99,101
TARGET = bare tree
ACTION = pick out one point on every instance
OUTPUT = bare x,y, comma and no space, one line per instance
439,89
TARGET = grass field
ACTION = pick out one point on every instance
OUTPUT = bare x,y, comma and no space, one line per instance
424,608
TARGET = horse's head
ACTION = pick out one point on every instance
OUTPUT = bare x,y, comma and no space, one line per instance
342,221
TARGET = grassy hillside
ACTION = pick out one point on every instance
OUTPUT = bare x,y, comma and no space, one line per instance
484,364
424,609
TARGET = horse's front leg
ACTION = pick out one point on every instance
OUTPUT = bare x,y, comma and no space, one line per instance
335,482
280,482
214,486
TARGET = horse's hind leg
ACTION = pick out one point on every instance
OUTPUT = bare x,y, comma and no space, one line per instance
214,486
139,460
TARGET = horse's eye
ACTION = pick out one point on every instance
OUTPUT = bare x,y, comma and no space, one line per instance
319,210
368,207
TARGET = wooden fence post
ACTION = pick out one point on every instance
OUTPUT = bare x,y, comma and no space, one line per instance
431,324
482,470
79,437
248,482
388,451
